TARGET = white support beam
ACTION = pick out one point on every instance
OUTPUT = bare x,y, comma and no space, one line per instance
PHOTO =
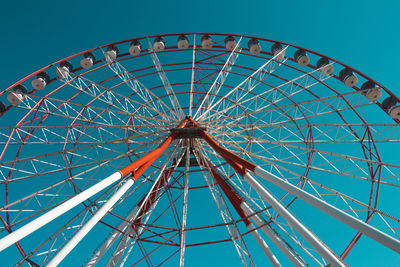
313,240
184,208
340,215
272,236
29,228
192,79
90,224
258,76
263,246
234,233
167,85
122,245
111,239
219,81
126,238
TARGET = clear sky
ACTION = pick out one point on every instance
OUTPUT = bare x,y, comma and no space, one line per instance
362,34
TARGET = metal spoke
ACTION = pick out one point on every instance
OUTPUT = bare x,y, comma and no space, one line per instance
219,81
167,86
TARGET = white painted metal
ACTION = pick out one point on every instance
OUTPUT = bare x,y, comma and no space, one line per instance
219,81
303,60
192,78
112,238
167,85
263,245
111,55
126,239
124,227
271,235
351,80
38,83
134,50
255,49
90,224
260,74
314,241
207,43
14,98
279,54
122,244
394,112
27,229
185,205
159,46
342,216
155,103
62,72
230,45
183,44
86,62
226,215
373,94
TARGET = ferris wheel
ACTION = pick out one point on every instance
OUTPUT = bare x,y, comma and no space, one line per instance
176,148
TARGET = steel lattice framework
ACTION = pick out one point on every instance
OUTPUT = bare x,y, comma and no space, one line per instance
163,148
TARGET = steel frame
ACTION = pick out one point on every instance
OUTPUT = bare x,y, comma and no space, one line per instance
31,130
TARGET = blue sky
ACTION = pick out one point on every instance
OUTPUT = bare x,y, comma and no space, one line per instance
359,33
362,34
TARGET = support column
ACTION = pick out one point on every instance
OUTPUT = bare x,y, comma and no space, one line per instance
242,166
184,209
44,219
342,216
90,224
29,228
111,239
315,242
147,203
271,235
237,202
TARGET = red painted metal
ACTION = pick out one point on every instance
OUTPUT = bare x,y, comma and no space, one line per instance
153,155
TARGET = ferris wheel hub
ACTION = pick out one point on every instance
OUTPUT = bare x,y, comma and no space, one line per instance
188,132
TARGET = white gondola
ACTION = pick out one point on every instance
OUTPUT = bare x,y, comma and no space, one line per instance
348,77
88,60
135,48
371,92
276,50
41,80
16,95
206,42
159,44
183,42
64,69
324,66
301,58
3,107
14,98
389,104
254,46
230,43
394,112
111,53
